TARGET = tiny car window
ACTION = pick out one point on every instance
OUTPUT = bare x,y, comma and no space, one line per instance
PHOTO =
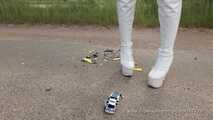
111,106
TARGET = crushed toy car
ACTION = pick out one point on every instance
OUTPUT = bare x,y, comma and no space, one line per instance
112,102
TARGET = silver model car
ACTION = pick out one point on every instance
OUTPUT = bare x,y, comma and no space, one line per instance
112,102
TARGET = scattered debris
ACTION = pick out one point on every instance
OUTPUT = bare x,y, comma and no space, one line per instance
108,50
116,59
112,102
101,57
94,56
87,60
111,54
138,69
91,58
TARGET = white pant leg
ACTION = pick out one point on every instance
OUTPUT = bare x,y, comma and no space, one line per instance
126,12
169,16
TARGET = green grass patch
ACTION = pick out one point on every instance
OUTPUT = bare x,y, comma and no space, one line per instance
196,13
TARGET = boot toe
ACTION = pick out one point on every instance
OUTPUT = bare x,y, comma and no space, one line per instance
156,78
128,70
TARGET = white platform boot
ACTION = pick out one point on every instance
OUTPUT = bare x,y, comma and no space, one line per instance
126,10
169,15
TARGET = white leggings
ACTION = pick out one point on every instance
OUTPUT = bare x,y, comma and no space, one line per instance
169,16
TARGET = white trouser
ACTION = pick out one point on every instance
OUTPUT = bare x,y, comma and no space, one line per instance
169,16
126,11
169,12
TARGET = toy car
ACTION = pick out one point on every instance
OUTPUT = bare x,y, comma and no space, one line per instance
112,102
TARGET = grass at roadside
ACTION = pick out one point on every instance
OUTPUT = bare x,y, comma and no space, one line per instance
196,13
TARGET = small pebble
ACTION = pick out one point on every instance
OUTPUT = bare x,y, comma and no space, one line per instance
48,89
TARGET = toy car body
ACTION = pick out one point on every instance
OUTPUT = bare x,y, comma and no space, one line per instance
112,102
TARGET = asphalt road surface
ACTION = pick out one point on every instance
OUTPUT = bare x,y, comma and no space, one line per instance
42,76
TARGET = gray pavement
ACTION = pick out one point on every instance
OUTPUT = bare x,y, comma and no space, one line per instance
42,76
